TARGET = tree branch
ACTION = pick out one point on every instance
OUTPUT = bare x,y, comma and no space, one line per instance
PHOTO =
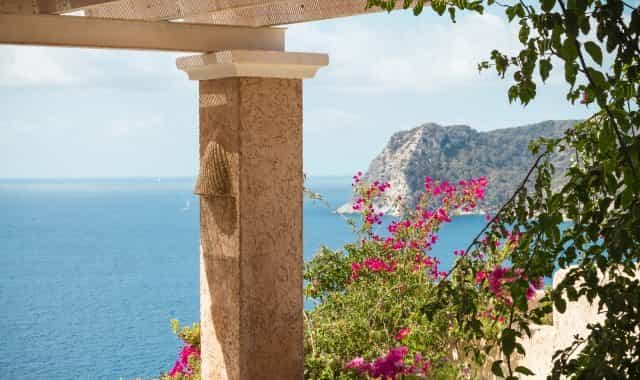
619,136
523,184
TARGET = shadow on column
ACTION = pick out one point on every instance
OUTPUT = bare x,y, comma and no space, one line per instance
220,288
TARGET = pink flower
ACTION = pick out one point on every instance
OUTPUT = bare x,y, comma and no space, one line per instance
486,314
390,365
442,215
355,270
514,237
497,278
181,365
399,244
403,333
480,276
359,364
426,367
531,292
373,264
500,276
534,286
378,265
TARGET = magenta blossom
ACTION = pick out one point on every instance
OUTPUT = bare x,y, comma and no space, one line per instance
391,365
500,276
359,365
402,333
182,364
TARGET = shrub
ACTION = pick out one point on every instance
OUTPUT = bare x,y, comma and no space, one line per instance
187,366
374,314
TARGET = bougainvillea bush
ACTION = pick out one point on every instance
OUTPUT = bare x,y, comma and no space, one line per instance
187,365
385,308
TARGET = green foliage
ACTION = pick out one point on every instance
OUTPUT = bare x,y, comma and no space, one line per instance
189,362
189,335
595,44
381,293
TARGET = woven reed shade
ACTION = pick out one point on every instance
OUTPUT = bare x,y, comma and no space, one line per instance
286,12
253,13
166,9
214,178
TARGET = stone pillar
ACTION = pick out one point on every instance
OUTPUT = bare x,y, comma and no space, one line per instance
250,185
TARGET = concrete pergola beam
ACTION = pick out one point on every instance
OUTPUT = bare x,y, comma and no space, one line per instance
250,183
89,32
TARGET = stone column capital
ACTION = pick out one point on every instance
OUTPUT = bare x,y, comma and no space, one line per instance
252,63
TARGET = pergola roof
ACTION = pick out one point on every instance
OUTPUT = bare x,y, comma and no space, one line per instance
174,25
252,13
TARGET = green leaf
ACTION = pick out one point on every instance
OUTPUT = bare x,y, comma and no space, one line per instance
496,368
452,14
513,93
561,304
511,12
439,6
508,341
418,8
598,78
569,50
547,5
594,51
524,33
527,91
524,370
570,72
545,68
585,26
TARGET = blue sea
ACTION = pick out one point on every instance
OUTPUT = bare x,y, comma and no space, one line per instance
91,271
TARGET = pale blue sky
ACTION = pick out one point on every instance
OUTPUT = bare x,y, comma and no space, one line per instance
99,113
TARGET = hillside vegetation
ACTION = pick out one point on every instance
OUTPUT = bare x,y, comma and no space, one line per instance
458,151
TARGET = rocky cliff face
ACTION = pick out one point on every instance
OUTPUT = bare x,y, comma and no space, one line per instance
459,152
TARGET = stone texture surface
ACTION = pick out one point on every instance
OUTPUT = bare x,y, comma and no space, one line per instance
251,237
459,152
546,340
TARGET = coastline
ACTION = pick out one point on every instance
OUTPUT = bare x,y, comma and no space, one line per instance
347,209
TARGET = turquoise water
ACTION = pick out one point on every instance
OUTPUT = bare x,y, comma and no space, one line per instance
92,271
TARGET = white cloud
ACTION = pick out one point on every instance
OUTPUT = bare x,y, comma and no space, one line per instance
32,66
366,56
52,66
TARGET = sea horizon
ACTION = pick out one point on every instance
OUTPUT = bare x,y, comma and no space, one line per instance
99,178
93,270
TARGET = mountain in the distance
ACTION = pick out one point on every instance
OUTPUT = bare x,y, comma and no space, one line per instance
459,152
